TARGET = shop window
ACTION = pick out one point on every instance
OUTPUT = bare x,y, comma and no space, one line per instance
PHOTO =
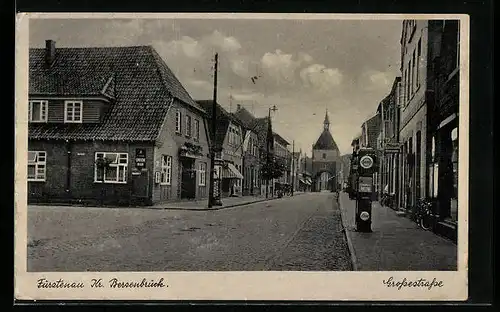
116,169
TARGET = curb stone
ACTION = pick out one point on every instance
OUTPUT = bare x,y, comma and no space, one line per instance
354,259
166,208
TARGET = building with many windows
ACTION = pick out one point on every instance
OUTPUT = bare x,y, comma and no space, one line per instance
420,45
112,125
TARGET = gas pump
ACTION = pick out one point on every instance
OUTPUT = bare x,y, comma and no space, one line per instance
367,161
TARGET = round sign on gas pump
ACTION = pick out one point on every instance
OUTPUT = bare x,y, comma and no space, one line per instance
366,162
364,216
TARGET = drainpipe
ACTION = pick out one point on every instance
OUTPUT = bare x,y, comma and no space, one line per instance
68,170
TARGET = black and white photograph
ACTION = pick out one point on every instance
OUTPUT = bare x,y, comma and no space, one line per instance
150,146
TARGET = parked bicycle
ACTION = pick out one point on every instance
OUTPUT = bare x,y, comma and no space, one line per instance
423,214
387,200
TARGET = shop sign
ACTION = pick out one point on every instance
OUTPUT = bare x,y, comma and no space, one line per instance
140,157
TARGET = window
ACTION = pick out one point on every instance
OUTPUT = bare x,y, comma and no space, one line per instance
409,81
178,121
115,171
404,88
414,70
324,155
37,111
197,129
419,55
188,125
166,170
73,111
202,177
36,165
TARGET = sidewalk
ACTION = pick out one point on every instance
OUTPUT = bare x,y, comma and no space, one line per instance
227,202
396,243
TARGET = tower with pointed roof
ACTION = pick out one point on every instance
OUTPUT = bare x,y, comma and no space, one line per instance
325,159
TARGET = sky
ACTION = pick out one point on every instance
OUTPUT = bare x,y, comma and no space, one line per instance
304,67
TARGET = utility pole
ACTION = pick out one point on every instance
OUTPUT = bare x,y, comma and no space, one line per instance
211,199
293,165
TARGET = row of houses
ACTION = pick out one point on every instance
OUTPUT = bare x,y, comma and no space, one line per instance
415,127
113,125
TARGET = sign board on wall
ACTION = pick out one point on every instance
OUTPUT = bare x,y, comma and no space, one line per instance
140,157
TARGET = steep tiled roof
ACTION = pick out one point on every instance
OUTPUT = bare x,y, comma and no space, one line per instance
223,119
280,139
142,83
325,142
372,126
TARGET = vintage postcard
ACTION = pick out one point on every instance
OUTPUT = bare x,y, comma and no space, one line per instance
241,156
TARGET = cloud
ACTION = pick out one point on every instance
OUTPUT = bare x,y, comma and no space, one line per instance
186,46
320,77
240,65
377,80
220,41
280,66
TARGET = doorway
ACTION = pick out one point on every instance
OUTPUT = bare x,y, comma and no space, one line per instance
188,178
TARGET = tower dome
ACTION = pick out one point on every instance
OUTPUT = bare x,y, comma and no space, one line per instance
325,140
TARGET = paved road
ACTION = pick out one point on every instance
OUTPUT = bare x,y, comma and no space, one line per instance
299,233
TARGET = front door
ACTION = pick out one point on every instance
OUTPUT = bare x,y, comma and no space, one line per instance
188,179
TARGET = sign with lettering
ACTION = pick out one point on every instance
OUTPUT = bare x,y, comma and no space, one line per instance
140,157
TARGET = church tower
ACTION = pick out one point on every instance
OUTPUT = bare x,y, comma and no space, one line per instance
326,160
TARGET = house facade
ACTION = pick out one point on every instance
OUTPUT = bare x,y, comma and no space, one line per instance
228,138
283,154
102,128
442,159
389,142
251,152
420,44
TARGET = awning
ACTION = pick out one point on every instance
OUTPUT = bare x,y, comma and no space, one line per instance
302,181
230,172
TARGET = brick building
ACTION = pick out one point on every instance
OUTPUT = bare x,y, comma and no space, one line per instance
112,125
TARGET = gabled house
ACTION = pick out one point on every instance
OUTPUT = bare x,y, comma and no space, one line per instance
228,138
281,151
112,125
251,153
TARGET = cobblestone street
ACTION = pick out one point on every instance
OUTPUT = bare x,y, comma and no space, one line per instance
293,233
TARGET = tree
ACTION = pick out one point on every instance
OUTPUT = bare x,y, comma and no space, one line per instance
274,168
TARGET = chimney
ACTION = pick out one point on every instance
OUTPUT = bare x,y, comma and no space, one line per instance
50,52
238,107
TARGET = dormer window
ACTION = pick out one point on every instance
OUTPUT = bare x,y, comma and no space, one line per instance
37,111
73,111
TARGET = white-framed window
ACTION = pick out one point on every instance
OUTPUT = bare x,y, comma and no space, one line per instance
202,174
73,111
166,170
188,125
37,110
36,165
197,129
178,121
115,171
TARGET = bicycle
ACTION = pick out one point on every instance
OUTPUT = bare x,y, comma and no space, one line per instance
423,214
